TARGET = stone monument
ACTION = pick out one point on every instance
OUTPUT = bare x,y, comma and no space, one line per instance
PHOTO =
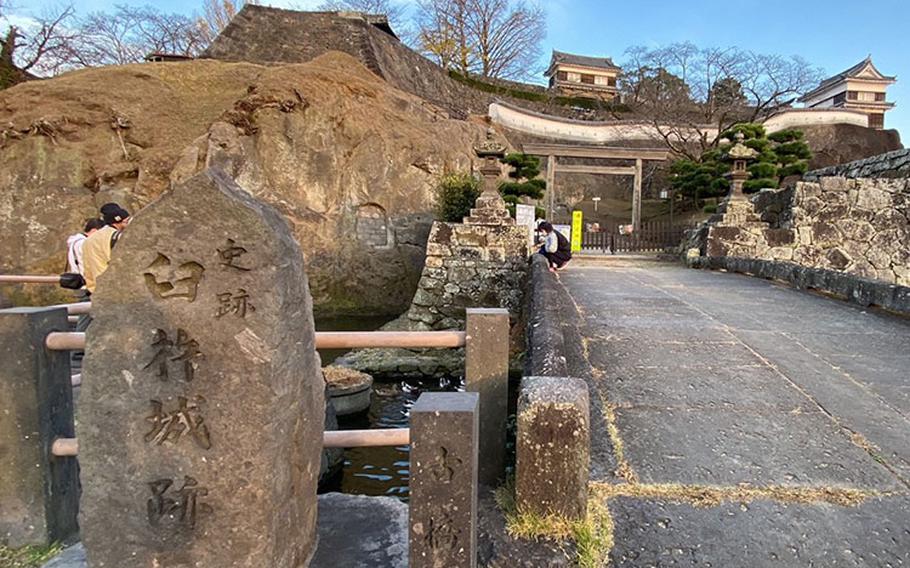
201,412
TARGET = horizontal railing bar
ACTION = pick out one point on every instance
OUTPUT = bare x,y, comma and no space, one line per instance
355,339
366,438
65,447
72,319
65,340
74,340
29,279
69,447
76,308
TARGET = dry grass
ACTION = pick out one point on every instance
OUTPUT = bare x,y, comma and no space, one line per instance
710,496
623,469
27,556
593,535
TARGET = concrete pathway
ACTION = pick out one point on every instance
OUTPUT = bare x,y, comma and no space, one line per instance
738,422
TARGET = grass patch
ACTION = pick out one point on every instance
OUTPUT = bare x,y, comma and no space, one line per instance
711,496
623,469
28,556
593,535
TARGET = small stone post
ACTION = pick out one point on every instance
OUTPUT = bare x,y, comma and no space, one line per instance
444,454
202,405
553,447
39,494
487,373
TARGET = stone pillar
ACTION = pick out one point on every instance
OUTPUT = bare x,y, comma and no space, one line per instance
553,447
636,196
487,373
443,507
202,406
551,187
39,494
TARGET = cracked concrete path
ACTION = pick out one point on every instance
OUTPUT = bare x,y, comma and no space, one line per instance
713,381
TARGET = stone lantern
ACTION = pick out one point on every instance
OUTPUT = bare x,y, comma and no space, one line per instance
490,209
741,155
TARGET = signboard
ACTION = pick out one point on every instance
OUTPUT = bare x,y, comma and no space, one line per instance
524,215
576,231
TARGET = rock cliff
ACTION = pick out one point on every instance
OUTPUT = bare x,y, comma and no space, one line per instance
350,161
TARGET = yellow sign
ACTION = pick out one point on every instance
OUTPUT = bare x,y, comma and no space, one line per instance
576,231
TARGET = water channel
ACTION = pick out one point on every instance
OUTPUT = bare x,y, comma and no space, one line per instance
385,471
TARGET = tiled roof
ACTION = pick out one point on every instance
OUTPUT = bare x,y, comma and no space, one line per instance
582,61
851,72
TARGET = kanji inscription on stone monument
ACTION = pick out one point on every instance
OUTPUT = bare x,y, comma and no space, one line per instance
202,415
166,282
230,255
184,351
170,426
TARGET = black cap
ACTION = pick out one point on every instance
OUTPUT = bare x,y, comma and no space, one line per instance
113,213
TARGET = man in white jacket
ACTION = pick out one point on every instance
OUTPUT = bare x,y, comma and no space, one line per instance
74,246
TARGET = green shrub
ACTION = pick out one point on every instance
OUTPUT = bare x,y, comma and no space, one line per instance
455,196
710,209
581,102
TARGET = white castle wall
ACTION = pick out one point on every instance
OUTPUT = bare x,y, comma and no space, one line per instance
607,133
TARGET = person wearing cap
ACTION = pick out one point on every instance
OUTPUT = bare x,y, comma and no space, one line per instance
96,251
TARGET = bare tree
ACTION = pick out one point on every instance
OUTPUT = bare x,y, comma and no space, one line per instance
692,95
216,15
491,38
129,34
45,47
396,12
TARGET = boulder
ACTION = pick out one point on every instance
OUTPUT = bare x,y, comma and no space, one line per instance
302,137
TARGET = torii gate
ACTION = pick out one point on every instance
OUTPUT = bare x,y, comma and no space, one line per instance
554,151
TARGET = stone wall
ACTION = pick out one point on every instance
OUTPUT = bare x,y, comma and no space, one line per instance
895,164
482,266
857,226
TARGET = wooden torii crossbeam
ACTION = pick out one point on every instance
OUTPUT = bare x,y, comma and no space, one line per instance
555,151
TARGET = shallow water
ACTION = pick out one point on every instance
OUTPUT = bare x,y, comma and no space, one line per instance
385,470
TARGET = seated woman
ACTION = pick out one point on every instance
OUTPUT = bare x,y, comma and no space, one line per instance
556,247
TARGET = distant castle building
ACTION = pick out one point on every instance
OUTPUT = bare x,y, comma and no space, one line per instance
582,75
861,87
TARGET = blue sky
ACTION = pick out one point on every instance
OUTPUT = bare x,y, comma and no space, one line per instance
831,34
